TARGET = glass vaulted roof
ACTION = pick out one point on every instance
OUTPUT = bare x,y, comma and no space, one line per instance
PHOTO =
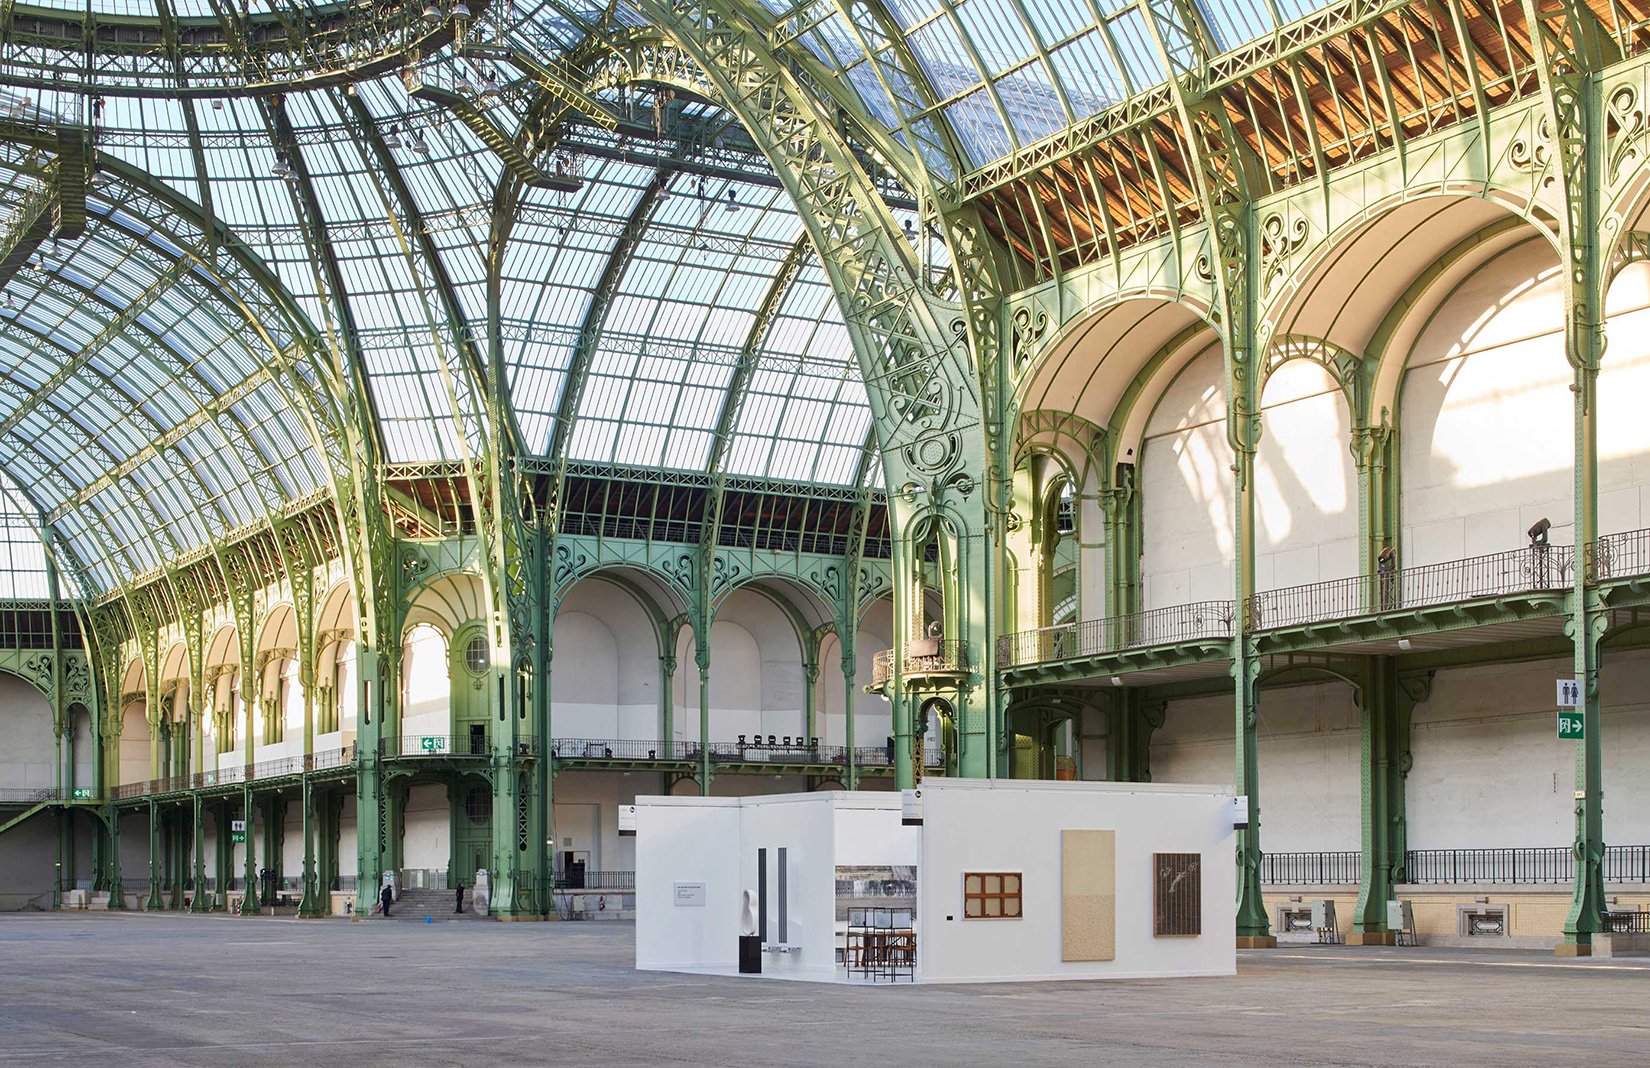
344,194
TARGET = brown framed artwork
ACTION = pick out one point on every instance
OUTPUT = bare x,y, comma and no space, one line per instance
1177,894
991,895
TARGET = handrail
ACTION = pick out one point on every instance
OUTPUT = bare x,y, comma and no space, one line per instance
923,656
1538,568
1203,620
1535,865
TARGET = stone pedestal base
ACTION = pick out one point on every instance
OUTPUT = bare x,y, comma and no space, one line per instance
1257,942
1372,938
1572,949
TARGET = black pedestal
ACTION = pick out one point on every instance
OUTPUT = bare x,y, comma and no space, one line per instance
750,954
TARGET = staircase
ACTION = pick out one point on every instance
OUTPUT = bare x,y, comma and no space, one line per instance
413,905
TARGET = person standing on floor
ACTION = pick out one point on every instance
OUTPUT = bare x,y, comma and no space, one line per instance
458,905
385,897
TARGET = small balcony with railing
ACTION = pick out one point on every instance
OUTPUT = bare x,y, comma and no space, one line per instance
925,658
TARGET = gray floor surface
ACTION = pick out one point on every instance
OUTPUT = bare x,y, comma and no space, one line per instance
166,989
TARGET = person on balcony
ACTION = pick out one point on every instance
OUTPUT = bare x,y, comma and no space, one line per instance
1386,567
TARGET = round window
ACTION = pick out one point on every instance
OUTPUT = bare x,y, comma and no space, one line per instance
476,657
478,805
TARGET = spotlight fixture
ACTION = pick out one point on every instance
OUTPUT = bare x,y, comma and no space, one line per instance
489,84
910,231
1117,680
217,105
1538,531
392,139
432,12
419,145
1404,644
283,167
461,10
733,202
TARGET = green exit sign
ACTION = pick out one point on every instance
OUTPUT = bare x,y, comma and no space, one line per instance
237,837
82,793
433,743
1572,725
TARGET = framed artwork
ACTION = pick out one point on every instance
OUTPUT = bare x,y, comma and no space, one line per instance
991,895
1177,894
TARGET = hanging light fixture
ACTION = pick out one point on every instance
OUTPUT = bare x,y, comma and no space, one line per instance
392,139
419,145
283,167
461,11
489,84
733,202
432,12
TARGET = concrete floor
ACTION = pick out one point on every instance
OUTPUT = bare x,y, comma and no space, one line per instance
137,990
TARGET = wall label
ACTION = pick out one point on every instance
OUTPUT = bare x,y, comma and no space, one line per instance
690,895
1572,725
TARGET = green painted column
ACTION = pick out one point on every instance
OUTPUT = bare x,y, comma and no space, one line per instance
1386,702
850,671
224,855
316,900
667,704
249,866
1130,722
200,900
108,863
702,657
157,858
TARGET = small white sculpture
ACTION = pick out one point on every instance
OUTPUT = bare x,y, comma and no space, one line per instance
480,896
747,914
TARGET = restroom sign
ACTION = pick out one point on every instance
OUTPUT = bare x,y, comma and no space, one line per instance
1569,693
1572,726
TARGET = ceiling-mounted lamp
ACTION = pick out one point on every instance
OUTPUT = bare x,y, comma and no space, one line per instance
461,11
733,202
419,145
489,84
283,167
217,105
910,231
432,12
392,139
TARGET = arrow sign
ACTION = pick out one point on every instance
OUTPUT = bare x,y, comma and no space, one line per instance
1572,725
1569,693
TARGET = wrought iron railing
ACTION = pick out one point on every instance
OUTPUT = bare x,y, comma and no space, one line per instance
1627,922
746,749
1532,570
616,749
1622,555
1343,867
325,760
30,795
923,656
1528,866
1203,620
578,879
447,746
423,879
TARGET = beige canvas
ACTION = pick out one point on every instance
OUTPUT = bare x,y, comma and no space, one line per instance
1088,895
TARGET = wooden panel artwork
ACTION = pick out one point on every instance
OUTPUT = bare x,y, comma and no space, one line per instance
1088,895
991,895
1177,893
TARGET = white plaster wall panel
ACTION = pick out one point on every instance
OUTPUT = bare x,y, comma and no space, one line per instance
30,867
691,841
85,750
779,695
1012,826
735,682
134,745
1624,699
1306,506
1489,771
804,826
426,839
613,692
1091,745
1623,385
28,757
292,842
1186,491
425,685
584,680
347,845
134,849
873,716
1487,426
1310,752
1091,554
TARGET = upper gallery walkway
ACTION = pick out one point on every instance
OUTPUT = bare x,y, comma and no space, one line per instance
1519,595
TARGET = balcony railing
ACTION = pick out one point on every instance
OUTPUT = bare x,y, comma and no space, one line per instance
31,795
747,749
1311,869
446,746
1204,620
1536,569
1540,865
325,760
579,879
923,656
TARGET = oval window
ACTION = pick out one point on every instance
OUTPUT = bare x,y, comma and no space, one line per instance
476,657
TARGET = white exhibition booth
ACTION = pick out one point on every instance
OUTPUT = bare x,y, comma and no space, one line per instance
958,881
